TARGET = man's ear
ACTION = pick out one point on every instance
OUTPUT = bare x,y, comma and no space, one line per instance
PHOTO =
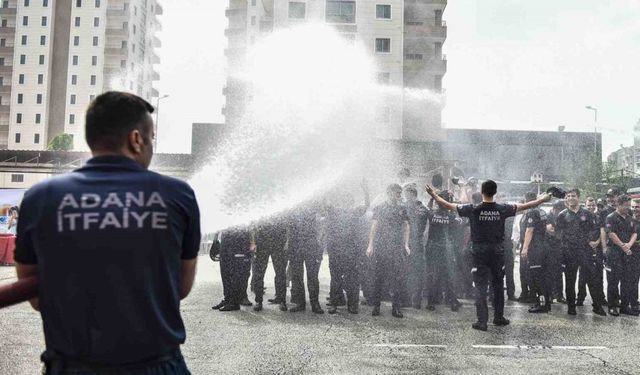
135,141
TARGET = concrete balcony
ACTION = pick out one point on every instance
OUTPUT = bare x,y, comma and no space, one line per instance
155,76
159,9
427,2
155,59
157,42
4,50
118,15
154,92
434,65
7,31
5,109
122,33
8,11
234,12
421,30
120,53
5,89
235,31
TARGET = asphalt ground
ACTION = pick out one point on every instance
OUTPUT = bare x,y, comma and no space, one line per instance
424,342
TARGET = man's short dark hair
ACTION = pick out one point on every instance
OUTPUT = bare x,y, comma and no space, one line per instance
112,116
394,188
622,199
574,190
476,198
489,188
412,190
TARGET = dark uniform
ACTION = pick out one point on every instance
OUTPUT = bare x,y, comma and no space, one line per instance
538,260
620,265
440,258
603,214
576,230
487,234
598,260
418,215
271,238
556,258
509,260
108,241
304,253
635,278
343,246
389,253
235,264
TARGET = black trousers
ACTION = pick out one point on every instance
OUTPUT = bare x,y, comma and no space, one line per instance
524,277
556,259
509,263
276,251
538,262
621,271
344,270
416,278
441,265
635,278
307,257
581,257
235,270
598,261
389,267
488,267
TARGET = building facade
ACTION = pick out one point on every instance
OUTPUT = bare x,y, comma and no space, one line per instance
57,55
405,38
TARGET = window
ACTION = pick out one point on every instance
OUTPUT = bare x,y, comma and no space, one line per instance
78,3
341,11
3,42
43,40
5,4
383,11
25,21
95,41
96,22
23,59
24,40
20,98
297,10
36,138
72,119
77,22
44,21
94,60
21,79
40,79
383,45
437,83
123,64
93,80
39,99
75,59
413,56
74,79
437,50
45,3
1,61
17,177
76,40
384,78
97,3
19,118
253,3
73,99
91,97
38,119
4,22
41,60
26,3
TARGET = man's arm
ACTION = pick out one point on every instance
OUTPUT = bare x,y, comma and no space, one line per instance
24,271
405,236
543,198
528,236
616,240
372,236
440,201
187,276
632,241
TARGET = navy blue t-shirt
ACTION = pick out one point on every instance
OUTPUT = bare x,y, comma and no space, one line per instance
108,240
487,221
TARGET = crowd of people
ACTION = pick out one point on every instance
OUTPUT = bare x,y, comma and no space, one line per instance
424,255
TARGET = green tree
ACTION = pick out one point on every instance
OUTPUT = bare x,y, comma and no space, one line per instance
61,142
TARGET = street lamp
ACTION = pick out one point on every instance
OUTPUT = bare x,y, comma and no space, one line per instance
155,138
595,127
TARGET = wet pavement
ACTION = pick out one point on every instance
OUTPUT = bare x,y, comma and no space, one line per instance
424,342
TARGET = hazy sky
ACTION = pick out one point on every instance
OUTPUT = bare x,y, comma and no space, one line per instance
511,65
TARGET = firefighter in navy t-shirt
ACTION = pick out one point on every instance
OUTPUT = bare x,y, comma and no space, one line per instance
487,235
114,247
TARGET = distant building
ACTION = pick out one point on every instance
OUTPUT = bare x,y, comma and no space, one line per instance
57,55
205,139
405,39
622,162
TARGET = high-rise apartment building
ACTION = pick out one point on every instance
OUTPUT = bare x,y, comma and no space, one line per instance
405,38
57,55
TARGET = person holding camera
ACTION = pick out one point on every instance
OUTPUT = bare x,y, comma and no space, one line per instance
487,235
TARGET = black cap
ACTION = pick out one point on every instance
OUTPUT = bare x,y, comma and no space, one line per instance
556,192
613,192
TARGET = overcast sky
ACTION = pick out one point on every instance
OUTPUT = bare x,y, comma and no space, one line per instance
511,65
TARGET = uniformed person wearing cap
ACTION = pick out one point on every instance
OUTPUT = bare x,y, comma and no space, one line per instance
487,234
556,267
417,213
610,204
114,247
578,231
534,248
